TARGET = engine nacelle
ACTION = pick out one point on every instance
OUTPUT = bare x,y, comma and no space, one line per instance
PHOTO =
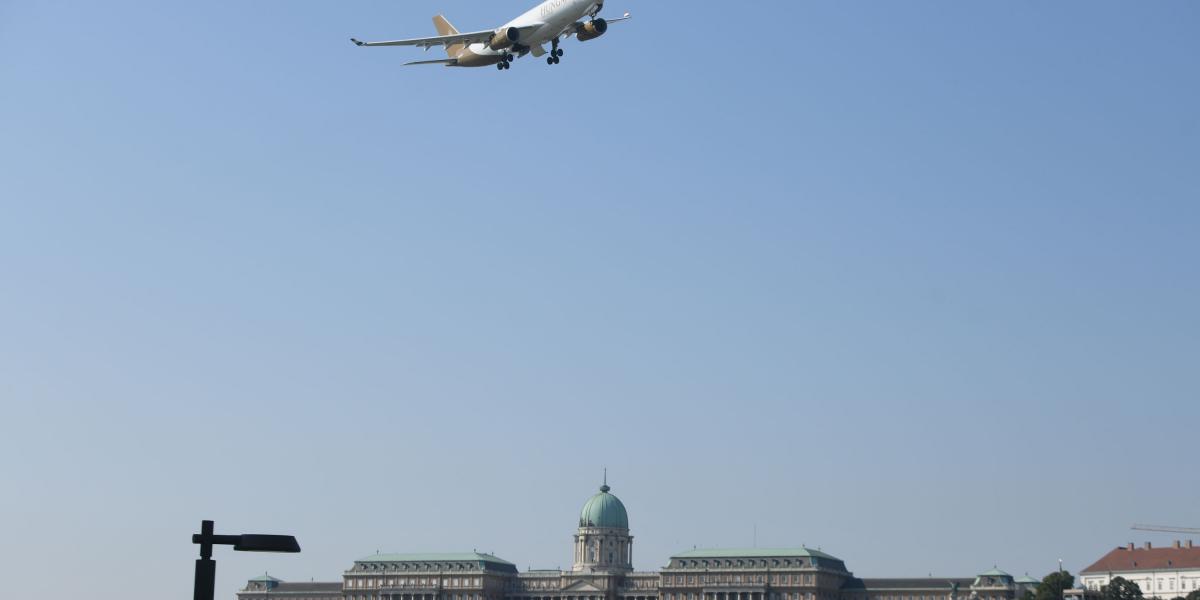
591,30
505,38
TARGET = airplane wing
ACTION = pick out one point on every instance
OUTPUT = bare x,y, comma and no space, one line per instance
449,62
477,37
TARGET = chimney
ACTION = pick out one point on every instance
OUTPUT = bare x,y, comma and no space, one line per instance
1178,544
1148,546
1130,547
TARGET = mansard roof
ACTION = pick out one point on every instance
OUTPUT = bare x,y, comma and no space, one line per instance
906,583
755,553
434,557
305,587
436,562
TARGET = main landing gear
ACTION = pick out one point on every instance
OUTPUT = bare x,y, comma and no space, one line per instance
555,54
505,62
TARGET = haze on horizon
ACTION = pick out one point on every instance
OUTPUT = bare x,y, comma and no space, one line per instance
911,283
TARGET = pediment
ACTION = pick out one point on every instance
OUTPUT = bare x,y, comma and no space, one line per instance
581,585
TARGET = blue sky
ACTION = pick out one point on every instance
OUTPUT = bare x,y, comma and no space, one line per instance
913,282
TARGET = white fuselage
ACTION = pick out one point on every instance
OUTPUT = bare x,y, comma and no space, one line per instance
552,17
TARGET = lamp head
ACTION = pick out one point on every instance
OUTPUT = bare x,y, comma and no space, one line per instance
253,542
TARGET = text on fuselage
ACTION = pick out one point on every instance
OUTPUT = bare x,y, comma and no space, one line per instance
551,6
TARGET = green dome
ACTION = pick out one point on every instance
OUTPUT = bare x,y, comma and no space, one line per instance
604,510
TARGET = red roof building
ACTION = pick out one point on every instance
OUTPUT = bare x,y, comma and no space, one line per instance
1164,573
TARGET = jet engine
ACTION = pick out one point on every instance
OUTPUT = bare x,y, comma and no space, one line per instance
591,30
505,38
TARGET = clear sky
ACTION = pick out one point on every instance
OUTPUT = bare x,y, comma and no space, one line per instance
912,282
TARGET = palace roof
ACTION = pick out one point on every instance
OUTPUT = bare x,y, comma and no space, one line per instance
1125,558
437,561
755,553
906,583
306,587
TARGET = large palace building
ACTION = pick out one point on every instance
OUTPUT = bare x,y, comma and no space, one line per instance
603,570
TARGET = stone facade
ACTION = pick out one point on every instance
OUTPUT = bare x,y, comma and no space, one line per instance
603,570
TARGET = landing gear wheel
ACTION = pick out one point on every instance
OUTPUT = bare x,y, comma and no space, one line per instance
499,66
550,60
558,53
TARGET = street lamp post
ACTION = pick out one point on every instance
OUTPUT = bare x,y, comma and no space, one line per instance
1062,587
206,567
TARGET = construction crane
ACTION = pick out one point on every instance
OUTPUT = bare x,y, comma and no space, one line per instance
1166,529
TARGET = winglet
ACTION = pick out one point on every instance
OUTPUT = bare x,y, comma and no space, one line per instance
356,42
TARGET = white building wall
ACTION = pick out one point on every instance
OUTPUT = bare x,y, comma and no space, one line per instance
1163,585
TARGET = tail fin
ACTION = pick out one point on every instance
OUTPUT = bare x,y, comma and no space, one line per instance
445,28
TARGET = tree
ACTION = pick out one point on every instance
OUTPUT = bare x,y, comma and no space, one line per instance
1195,595
1052,585
1122,589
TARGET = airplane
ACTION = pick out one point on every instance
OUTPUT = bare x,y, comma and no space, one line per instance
549,22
